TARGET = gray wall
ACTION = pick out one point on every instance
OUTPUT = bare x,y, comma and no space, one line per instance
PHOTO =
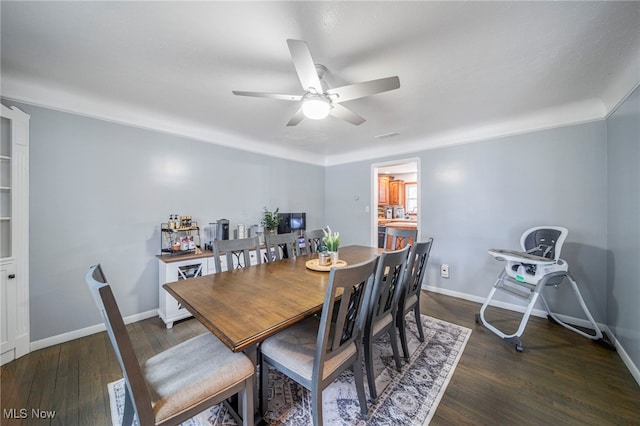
484,195
99,191
623,242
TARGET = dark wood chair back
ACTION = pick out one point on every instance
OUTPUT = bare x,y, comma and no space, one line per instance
239,249
416,267
399,238
341,325
282,246
388,285
382,309
313,240
410,296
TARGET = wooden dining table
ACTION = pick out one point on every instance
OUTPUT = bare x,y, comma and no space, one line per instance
243,307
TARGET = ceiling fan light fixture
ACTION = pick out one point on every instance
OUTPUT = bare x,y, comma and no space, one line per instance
316,107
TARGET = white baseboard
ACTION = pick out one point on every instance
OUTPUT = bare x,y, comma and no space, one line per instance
633,369
87,331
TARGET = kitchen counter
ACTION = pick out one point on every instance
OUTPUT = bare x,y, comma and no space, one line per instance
398,220
402,225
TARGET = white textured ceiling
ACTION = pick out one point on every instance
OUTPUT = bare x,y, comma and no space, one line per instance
468,70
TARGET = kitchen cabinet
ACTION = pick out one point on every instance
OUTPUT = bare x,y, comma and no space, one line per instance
396,192
383,189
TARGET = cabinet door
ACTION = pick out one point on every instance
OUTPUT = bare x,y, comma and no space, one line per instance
396,192
7,313
383,189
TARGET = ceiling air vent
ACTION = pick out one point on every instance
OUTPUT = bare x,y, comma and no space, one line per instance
387,135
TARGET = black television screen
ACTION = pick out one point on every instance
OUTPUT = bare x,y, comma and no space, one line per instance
291,222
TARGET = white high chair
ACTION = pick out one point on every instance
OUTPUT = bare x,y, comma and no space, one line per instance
527,273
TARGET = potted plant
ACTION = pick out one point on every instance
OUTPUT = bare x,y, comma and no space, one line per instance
332,242
270,220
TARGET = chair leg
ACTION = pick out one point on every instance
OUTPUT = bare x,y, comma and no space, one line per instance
247,402
264,383
316,406
416,310
394,346
129,412
357,374
402,329
368,362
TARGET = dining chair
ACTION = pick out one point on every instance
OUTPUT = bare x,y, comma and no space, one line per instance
239,249
399,237
184,380
313,240
315,351
282,246
410,296
382,308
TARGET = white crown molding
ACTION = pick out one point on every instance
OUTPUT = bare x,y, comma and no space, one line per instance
551,118
64,100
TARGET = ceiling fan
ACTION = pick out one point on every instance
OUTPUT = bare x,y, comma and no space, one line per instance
318,100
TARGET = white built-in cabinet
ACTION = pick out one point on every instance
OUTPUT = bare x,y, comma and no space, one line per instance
14,235
184,267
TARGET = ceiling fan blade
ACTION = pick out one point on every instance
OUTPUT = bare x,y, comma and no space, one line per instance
297,117
268,95
360,90
344,113
305,67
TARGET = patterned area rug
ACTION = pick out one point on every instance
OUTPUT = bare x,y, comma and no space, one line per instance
408,397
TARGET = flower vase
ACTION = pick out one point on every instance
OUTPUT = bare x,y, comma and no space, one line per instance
333,255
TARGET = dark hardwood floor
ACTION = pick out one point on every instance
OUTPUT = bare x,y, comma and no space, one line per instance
561,378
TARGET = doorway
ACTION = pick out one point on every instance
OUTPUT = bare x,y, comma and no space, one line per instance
395,195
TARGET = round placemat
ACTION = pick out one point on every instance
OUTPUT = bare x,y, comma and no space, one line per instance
314,265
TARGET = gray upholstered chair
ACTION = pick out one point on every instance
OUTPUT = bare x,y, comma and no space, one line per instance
282,246
315,351
239,249
399,237
182,381
382,308
410,296
313,240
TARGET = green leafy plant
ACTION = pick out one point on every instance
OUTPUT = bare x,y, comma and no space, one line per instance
331,239
270,220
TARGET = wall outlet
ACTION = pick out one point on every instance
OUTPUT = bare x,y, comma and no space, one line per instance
444,270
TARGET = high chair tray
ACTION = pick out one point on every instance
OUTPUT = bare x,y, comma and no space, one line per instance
519,256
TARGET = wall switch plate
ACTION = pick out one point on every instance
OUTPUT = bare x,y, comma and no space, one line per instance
444,270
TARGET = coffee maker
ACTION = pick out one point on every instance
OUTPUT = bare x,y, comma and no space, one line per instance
222,229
